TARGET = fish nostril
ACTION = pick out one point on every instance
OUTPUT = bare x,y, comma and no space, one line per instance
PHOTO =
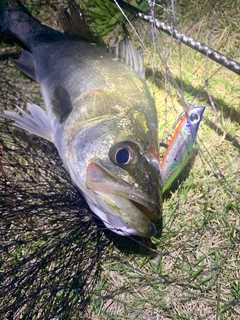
150,188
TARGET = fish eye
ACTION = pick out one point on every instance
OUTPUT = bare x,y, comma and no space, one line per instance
194,118
124,153
122,156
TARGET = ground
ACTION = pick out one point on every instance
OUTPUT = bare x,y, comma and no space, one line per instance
56,260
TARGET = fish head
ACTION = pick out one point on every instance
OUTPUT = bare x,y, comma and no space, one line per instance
114,161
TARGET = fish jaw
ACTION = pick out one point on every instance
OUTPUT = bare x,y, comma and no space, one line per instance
123,209
125,219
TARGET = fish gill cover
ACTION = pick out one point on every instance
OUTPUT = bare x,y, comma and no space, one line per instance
58,261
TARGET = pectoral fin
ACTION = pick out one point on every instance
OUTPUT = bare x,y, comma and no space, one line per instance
61,104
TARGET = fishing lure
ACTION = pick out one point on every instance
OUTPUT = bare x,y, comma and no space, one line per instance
180,146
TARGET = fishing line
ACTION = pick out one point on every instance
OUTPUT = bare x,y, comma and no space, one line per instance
193,44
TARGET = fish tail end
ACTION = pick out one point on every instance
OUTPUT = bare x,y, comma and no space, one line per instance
16,21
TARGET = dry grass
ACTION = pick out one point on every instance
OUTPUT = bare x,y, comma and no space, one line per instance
191,271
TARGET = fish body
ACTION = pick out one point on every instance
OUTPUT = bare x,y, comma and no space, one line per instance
100,116
180,146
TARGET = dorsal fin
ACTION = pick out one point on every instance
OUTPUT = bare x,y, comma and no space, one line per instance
61,104
72,21
125,51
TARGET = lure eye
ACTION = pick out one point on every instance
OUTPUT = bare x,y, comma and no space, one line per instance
194,118
124,153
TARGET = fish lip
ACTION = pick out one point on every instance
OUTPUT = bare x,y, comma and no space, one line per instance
123,218
149,232
116,186
123,228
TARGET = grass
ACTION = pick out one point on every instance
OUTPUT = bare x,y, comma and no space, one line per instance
191,271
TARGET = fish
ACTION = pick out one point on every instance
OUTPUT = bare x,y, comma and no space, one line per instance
180,146
98,113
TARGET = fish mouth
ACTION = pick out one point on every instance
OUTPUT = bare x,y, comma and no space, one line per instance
147,211
124,202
